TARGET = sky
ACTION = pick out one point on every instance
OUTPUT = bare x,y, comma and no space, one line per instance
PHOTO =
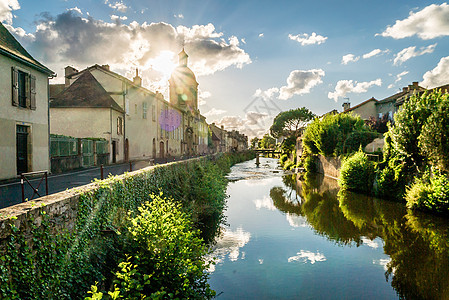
252,58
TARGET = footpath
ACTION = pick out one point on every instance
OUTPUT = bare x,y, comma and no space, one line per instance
11,191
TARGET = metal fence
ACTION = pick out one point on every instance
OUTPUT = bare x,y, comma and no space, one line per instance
87,149
63,146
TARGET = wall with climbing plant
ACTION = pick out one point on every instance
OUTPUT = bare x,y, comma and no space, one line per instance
58,246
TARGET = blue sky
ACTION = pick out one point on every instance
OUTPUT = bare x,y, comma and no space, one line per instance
288,53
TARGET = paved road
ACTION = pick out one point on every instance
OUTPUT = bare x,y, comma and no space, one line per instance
11,193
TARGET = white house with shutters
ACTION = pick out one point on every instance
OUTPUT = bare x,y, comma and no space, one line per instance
24,113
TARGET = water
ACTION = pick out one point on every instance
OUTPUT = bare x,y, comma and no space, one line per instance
289,239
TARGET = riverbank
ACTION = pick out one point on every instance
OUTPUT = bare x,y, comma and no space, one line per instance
62,244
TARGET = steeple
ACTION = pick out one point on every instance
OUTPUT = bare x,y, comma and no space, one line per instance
183,58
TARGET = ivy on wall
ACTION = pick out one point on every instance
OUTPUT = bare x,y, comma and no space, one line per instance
45,263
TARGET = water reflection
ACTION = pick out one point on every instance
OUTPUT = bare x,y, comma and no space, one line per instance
228,245
417,243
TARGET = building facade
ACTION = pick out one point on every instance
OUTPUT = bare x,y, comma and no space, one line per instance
24,109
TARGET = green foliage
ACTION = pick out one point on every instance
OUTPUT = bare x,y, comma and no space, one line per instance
357,173
309,163
47,263
166,254
283,159
337,134
289,145
267,142
429,193
434,138
255,141
291,122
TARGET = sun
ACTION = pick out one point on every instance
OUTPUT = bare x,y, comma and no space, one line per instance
164,63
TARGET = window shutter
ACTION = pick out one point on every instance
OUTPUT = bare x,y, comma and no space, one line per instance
33,92
28,90
15,86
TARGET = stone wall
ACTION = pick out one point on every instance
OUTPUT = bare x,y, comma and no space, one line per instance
62,208
329,166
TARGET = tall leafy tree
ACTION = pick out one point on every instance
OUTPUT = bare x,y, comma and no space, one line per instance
291,122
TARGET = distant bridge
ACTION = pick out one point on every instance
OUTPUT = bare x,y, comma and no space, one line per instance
269,152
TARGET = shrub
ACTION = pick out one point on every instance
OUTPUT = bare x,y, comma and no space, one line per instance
165,254
336,134
283,159
310,164
391,180
429,194
289,165
357,173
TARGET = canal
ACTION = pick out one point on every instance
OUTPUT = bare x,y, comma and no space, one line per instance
305,239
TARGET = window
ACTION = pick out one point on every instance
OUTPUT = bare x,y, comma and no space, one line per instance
145,108
119,126
153,111
390,115
380,115
23,89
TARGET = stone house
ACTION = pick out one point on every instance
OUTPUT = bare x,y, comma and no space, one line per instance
137,126
24,109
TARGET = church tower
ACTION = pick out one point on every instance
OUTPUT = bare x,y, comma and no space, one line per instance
183,85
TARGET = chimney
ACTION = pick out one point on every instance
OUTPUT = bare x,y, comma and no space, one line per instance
67,72
222,127
106,67
159,95
137,80
346,105
415,83
405,89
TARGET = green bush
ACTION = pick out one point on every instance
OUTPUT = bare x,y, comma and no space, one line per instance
310,164
357,173
283,159
429,194
165,254
336,134
289,165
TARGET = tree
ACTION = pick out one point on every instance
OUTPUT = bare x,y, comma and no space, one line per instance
434,138
255,141
291,122
267,142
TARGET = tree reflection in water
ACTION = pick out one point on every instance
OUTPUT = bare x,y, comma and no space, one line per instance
417,243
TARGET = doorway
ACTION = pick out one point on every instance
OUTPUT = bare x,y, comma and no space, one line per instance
161,150
22,149
154,148
114,152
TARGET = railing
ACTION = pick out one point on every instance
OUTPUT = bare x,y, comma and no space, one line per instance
23,179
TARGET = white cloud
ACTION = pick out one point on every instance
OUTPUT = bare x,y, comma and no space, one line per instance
390,86
300,82
179,16
202,96
115,18
349,58
76,9
428,23
264,203
260,34
306,39
118,6
6,8
253,124
370,243
296,221
243,41
382,262
67,39
214,112
305,256
228,245
400,75
410,52
344,87
372,53
438,76
20,33
267,94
